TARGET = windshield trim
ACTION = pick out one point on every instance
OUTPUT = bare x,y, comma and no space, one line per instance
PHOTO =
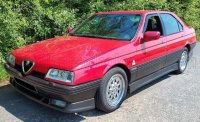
140,24
96,36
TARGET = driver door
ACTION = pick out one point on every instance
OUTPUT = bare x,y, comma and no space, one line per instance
154,51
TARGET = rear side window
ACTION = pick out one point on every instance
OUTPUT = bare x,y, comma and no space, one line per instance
180,26
171,24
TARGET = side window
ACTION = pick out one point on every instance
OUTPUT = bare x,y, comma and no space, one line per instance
154,24
171,24
180,26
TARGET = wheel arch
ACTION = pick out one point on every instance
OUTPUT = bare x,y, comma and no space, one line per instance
188,47
122,66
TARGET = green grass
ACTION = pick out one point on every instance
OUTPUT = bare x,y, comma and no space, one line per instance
3,75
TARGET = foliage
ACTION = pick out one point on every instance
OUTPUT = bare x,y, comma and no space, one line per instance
26,21
3,76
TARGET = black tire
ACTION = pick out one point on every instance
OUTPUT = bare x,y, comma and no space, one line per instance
180,70
101,101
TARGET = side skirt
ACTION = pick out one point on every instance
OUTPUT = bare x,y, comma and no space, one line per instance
147,79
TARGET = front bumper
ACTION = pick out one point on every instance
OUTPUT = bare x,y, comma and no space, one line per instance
78,98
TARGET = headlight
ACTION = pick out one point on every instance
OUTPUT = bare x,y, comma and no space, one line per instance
11,59
60,75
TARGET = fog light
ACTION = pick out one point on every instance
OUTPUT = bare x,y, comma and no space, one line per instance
58,103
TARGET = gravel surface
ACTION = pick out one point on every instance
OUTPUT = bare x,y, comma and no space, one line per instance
3,83
170,98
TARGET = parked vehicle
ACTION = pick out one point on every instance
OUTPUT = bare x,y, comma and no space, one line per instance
97,64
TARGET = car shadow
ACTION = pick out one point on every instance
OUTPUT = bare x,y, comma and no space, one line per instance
27,110
150,84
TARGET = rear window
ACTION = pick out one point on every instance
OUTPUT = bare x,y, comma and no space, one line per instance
171,24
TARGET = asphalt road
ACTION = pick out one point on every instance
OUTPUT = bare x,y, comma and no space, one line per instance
170,98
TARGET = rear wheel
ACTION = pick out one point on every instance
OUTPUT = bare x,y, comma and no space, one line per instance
183,61
112,90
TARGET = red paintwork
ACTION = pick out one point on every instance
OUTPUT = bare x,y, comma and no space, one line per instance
91,58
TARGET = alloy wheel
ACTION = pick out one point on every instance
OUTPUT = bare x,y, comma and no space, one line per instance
115,89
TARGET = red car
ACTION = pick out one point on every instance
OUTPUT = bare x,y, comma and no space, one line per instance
97,64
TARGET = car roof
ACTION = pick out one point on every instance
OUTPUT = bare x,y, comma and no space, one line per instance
133,12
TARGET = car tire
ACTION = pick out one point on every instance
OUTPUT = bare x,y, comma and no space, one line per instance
183,61
112,90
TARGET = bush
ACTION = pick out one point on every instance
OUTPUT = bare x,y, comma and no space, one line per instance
26,21
3,74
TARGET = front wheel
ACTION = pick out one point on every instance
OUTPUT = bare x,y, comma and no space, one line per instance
183,61
112,91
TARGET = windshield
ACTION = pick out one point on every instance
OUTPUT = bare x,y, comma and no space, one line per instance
109,26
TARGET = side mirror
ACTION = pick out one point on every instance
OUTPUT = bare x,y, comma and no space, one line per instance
70,29
151,35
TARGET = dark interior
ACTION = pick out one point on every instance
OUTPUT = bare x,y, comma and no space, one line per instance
154,24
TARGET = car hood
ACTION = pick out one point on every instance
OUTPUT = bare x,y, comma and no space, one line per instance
65,52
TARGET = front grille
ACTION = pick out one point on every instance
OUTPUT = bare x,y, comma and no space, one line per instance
23,88
38,74
33,73
28,90
25,85
18,67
